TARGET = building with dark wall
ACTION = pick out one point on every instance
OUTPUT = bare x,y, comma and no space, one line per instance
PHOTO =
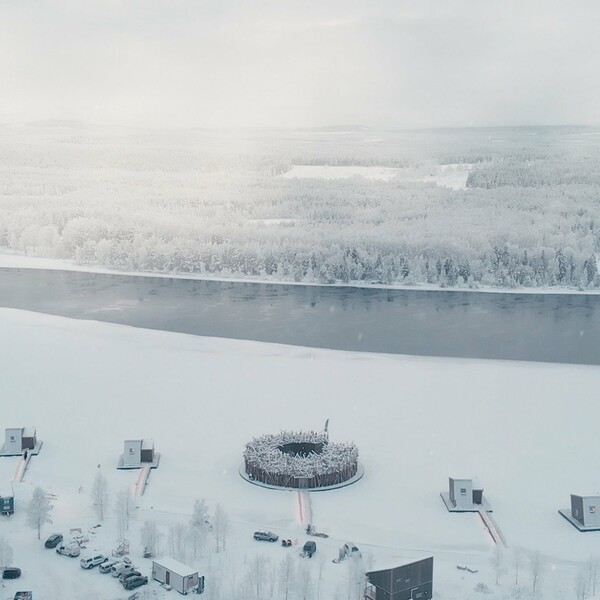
584,513
7,502
410,581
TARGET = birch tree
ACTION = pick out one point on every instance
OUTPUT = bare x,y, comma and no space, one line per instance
6,554
38,510
537,568
150,537
122,509
198,527
100,495
220,527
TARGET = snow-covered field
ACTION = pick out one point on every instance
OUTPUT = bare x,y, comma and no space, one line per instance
453,176
529,431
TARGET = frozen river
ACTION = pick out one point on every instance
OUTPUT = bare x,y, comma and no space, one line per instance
540,327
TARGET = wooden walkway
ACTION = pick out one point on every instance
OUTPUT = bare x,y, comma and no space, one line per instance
21,468
304,508
142,480
492,527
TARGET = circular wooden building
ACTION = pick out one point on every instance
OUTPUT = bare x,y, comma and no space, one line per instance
300,460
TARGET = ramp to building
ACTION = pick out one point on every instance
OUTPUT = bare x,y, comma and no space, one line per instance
492,527
142,480
304,508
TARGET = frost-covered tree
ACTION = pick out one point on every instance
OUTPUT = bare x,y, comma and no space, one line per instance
100,495
581,585
199,526
38,510
537,569
220,528
6,554
150,537
178,539
517,562
286,577
122,510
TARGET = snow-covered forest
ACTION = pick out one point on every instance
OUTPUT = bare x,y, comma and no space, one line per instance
224,204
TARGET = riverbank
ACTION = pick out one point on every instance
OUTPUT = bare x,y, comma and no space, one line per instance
19,261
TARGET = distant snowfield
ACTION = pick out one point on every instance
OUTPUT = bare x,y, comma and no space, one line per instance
452,176
87,386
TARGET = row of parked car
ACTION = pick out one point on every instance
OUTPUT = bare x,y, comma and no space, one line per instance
308,549
120,568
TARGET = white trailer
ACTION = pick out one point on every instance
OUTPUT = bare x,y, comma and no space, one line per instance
180,577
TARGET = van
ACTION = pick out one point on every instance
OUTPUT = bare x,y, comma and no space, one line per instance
309,549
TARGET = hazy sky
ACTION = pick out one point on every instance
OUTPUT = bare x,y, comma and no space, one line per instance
301,64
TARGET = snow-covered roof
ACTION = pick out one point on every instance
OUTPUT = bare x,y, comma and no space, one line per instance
147,444
175,566
28,431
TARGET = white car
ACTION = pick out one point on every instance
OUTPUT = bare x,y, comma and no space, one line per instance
121,570
93,561
71,550
105,567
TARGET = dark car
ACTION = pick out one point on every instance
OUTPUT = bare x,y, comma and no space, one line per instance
134,582
11,573
124,578
54,540
23,596
309,548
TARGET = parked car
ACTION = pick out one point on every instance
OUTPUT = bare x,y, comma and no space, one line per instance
23,596
54,540
125,576
266,536
105,567
121,569
11,573
351,549
71,550
309,548
134,582
93,561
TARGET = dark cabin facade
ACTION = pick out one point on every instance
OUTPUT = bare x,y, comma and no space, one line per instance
412,581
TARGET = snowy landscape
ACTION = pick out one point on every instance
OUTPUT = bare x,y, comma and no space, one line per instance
479,208
513,425
299,300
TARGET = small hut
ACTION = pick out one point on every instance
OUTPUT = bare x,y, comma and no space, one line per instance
20,440
584,513
138,453
7,501
465,495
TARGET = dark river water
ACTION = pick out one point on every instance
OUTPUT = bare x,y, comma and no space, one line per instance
557,328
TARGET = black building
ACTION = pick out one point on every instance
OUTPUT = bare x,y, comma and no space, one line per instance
412,581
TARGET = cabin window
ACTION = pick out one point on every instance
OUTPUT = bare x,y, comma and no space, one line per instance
592,509
463,491
12,438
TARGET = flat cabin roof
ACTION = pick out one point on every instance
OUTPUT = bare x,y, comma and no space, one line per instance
147,444
28,431
587,496
175,566
391,563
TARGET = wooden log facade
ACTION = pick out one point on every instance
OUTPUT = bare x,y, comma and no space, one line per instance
302,460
